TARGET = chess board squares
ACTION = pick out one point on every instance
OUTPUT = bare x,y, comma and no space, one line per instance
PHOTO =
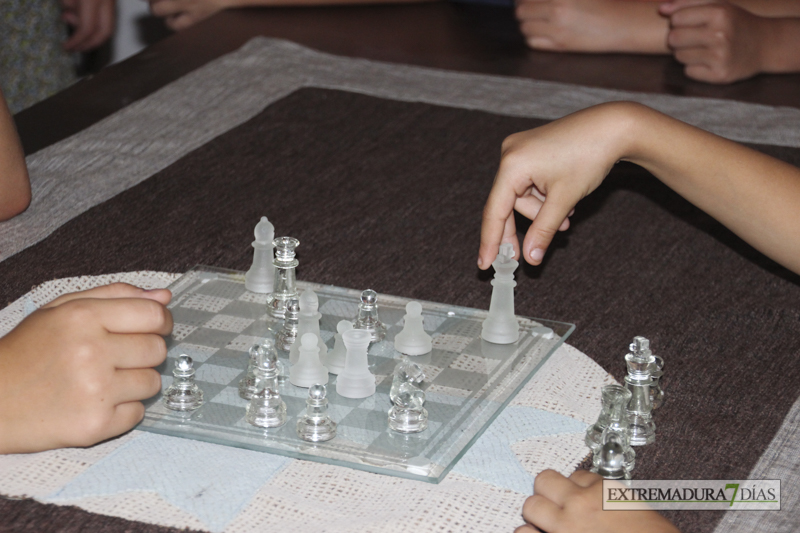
237,359
474,364
231,290
243,343
254,298
218,414
210,337
246,310
180,331
451,343
190,317
342,309
203,302
198,353
231,323
461,379
221,375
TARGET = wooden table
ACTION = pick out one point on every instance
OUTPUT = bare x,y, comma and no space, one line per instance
446,36
440,35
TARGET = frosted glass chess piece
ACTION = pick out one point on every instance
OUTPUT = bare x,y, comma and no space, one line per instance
501,326
639,361
285,284
408,414
338,356
356,381
609,459
287,336
247,385
656,372
613,418
266,409
406,371
315,424
368,316
308,322
413,340
183,394
261,276
308,370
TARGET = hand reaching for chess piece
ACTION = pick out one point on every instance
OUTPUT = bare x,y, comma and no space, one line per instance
74,372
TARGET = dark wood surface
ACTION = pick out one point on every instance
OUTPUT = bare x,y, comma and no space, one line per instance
441,35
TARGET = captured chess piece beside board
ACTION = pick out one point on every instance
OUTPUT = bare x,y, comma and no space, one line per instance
371,381
626,415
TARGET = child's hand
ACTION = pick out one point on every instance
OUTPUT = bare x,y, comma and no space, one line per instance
74,372
180,14
544,172
717,42
93,21
575,505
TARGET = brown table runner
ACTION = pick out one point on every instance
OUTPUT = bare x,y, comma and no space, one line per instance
388,195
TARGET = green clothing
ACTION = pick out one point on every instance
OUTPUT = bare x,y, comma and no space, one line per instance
33,63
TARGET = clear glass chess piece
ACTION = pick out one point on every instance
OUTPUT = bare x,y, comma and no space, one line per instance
406,371
315,424
260,278
639,361
501,326
613,413
285,284
408,414
656,372
183,394
266,409
609,459
368,316
247,385
287,336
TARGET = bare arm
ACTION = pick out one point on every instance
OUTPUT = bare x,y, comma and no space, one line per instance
15,189
593,26
770,8
180,14
755,196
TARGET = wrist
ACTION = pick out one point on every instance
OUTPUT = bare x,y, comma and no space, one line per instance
780,39
627,123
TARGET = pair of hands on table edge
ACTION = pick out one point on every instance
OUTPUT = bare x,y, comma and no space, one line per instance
74,372
718,41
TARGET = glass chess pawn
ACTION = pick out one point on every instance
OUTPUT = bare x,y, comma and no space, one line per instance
368,316
266,409
609,459
315,424
408,414
285,284
263,372
183,394
656,392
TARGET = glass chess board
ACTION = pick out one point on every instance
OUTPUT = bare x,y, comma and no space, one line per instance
468,380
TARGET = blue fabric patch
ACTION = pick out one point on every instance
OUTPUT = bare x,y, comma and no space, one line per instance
211,482
491,458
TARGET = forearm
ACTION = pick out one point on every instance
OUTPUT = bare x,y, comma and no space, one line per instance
754,195
266,3
781,48
770,8
15,190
